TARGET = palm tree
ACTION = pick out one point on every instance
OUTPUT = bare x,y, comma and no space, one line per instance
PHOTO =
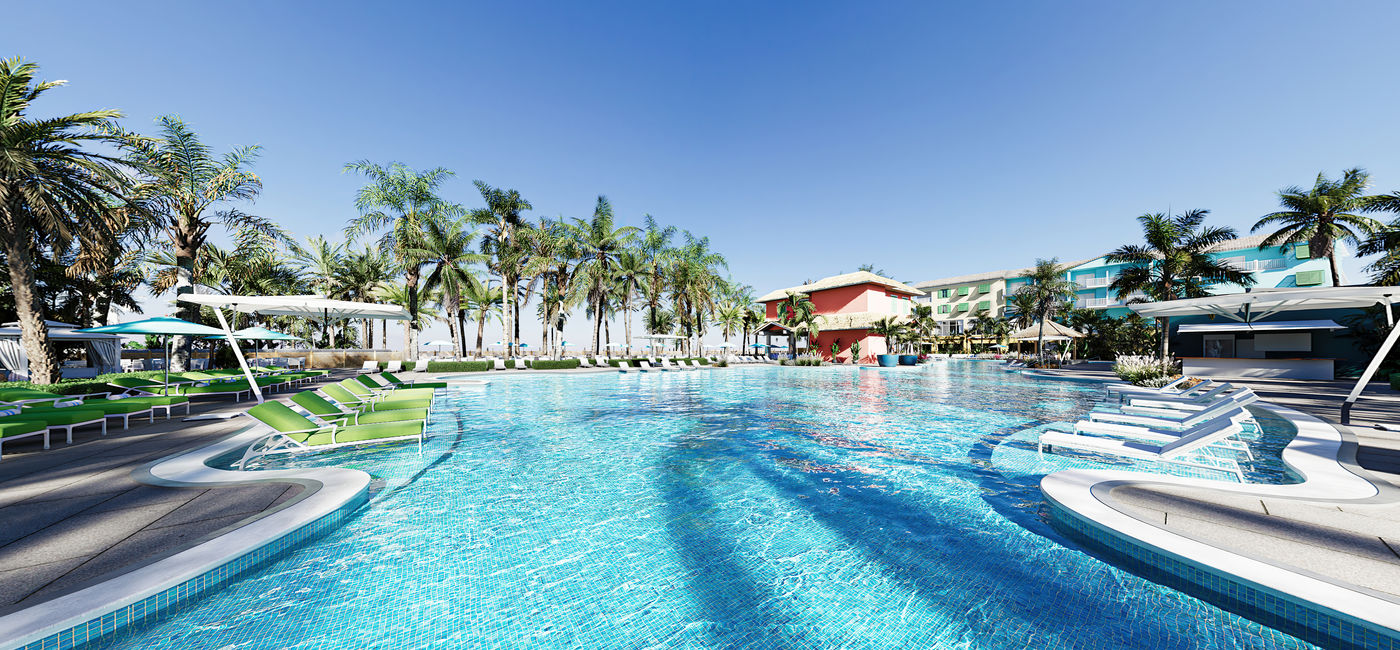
322,261
188,184
1047,292
655,247
1322,216
109,261
360,275
446,247
892,329
49,187
729,317
400,201
631,276
1174,262
502,216
922,323
797,313
600,245
694,279
396,293
481,300
753,317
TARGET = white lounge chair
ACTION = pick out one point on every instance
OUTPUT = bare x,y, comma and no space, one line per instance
520,363
600,362
369,366
644,365
1150,434
1217,430
667,365
583,362
1171,388
394,366
420,365
623,366
498,364
1175,418
1184,402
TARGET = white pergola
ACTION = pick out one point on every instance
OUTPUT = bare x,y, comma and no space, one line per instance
1249,307
313,307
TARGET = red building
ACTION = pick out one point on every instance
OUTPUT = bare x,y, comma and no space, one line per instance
849,305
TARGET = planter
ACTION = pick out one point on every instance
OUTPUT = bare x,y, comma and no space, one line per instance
908,359
887,360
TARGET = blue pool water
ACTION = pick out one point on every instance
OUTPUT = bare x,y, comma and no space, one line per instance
755,507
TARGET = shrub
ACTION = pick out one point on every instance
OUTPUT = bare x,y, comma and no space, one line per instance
1141,370
722,363
460,366
549,364
96,384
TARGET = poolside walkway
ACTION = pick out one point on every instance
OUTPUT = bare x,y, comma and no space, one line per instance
73,515
1355,544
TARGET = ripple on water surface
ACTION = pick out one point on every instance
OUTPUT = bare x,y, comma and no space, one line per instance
771,507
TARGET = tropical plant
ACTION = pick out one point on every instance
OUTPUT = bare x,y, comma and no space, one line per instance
695,282
360,274
51,187
188,190
1143,370
600,243
1046,293
893,331
446,246
729,317
1174,262
503,216
482,301
655,247
797,313
835,350
1322,215
400,201
1020,309
855,352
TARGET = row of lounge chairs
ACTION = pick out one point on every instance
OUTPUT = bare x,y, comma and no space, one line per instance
1196,426
367,409
26,413
745,359
651,363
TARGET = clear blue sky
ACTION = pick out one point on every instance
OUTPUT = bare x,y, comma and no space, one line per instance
803,138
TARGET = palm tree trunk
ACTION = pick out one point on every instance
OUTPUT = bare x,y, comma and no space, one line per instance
462,327
185,253
410,278
368,335
1336,274
627,326
480,330
1166,329
34,332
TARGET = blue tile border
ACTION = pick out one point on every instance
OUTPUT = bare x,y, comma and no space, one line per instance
107,625
1296,617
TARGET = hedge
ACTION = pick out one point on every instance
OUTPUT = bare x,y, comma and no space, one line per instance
461,366
96,384
549,364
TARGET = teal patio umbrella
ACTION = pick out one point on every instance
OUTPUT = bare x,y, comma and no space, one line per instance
257,333
160,326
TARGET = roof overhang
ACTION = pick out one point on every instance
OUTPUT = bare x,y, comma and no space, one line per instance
306,306
1261,326
1252,305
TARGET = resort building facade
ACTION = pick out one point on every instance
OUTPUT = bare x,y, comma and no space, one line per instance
958,300
848,305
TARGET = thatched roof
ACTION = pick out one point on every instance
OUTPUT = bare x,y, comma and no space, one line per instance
844,280
1053,330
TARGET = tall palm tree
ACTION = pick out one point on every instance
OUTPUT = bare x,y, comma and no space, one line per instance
1322,216
1174,262
729,317
109,260
1385,242
446,246
600,244
695,282
1022,307
631,276
396,293
399,200
481,300
922,322
189,190
49,186
322,261
892,329
753,317
1047,292
655,247
502,216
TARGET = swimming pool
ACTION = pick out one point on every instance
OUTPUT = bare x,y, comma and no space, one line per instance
756,507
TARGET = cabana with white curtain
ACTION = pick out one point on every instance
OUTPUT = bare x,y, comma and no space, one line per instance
104,351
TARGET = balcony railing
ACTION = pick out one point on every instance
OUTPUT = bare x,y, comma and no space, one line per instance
1111,301
1250,266
1093,283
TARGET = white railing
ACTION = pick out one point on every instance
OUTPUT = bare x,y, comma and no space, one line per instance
1251,266
1093,283
1094,303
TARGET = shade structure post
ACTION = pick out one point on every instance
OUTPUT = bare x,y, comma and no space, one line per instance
238,353
1370,372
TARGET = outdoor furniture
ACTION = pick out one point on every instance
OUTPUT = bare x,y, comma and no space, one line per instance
583,362
13,427
66,418
406,398
1218,429
520,364
323,409
420,365
498,364
369,366
118,408
289,431
387,376
623,366
1163,418
394,366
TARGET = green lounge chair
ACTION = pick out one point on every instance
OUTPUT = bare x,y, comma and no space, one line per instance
203,389
291,432
65,418
26,396
14,427
121,408
352,395
322,408
362,385
388,376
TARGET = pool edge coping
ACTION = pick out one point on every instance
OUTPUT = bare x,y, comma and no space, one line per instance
328,496
1315,453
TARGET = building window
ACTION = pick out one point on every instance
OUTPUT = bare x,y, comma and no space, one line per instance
963,291
962,307
984,305
943,309
1301,251
1308,278
985,287
944,293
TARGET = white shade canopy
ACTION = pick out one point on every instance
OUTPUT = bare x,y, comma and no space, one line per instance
314,307
1259,303
1261,326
